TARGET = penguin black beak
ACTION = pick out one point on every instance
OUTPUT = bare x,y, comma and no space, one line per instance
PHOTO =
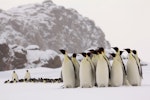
62,51
128,50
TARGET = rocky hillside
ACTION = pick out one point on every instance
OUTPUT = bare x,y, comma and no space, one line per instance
50,27
16,57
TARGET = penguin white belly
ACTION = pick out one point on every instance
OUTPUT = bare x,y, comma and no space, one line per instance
15,77
133,74
27,76
68,74
85,75
116,74
102,74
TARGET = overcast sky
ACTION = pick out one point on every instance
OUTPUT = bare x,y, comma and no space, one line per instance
126,23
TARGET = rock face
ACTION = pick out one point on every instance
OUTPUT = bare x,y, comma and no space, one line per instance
16,57
50,27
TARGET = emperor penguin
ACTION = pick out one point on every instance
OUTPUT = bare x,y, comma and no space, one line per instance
105,57
68,71
85,73
116,71
102,71
94,57
27,75
125,80
93,68
77,66
133,70
14,76
138,62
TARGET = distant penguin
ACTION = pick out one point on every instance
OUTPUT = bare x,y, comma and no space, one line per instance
133,70
93,68
116,71
85,73
102,71
27,76
77,67
119,53
68,71
14,76
7,81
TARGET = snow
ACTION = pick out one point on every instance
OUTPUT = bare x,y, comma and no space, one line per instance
39,56
2,41
33,47
47,91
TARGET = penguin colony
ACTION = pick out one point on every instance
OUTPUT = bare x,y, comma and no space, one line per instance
27,78
95,69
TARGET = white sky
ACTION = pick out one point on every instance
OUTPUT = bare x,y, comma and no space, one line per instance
126,23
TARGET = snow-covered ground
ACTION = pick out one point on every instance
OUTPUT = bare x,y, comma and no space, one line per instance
54,91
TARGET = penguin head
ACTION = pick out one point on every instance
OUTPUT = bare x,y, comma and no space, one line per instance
83,54
128,50
101,49
93,51
89,54
14,80
113,54
116,49
134,51
121,52
14,72
74,55
62,51
27,71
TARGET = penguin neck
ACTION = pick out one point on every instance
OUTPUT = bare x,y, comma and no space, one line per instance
66,57
130,56
95,56
118,53
118,57
100,55
73,59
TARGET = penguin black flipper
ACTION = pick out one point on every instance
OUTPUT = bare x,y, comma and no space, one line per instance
74,69
108,67
123,63
140,71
